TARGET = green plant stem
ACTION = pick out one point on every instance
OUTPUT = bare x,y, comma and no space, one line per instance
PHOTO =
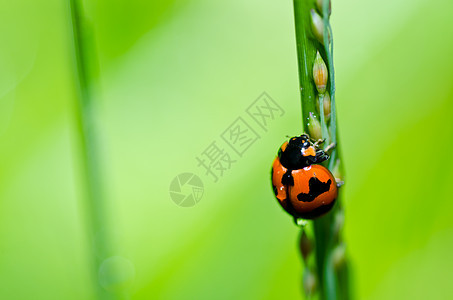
86,72
307,46
332,282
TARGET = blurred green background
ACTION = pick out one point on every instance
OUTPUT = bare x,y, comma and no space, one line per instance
173,76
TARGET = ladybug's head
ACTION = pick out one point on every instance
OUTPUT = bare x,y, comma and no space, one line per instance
297,153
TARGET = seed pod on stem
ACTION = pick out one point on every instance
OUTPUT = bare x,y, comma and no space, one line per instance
320,73
310,282
320,4
326,105
317,26
305,245
339,256
314,127
338,222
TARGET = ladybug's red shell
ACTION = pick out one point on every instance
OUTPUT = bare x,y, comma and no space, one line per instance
280,190
313,193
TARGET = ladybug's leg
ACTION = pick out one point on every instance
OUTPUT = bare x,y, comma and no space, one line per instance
300,222
320,157
339,182
330,147
318,142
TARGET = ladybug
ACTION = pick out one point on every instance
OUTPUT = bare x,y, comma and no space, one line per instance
303,188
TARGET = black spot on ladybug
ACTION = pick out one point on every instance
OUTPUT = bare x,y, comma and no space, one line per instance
275,190
316,188
287,178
